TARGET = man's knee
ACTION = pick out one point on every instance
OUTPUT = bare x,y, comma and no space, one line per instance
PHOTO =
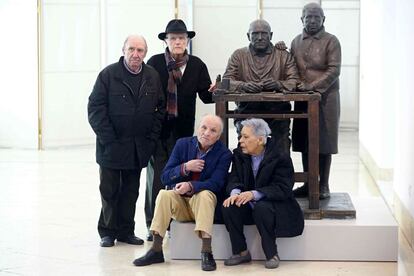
229,211
164,195
207,196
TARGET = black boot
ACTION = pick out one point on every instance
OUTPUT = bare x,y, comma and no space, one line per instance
324,170
303,191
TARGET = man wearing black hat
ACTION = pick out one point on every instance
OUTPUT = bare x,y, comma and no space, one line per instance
182,76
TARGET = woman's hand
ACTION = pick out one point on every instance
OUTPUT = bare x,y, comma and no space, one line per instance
230,200
244,197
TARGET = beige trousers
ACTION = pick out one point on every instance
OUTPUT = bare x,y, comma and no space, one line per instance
199,208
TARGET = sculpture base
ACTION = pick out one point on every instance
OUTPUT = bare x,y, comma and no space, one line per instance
372,236
338,206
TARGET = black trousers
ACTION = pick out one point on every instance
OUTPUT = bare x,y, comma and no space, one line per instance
119,193
155,166
262,215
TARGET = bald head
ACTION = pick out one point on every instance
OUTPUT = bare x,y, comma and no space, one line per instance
135,50
135,37
259,24
209,131
260,35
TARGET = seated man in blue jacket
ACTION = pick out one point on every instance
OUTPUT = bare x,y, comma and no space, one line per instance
196,173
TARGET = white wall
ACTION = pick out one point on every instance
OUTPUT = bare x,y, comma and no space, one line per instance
387,101
80,38
18,55
221,28
377,81
403,58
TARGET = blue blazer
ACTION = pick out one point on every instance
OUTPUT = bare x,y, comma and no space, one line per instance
214,175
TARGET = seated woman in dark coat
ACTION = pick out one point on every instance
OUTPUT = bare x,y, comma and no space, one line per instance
260,188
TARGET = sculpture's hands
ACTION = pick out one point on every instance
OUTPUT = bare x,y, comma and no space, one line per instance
252,87
280,45
272,85
305,86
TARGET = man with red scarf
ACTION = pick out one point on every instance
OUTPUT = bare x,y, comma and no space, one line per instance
182,76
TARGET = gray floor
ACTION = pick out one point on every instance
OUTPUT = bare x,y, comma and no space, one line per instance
49,206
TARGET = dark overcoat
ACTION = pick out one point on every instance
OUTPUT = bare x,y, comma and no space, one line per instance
126,129
275,180
195,80
318,58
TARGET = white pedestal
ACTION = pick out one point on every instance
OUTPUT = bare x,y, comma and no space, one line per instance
372,236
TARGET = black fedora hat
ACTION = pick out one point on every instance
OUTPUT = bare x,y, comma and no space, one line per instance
176,26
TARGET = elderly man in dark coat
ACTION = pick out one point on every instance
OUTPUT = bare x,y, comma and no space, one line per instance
318,56
125,110
260,188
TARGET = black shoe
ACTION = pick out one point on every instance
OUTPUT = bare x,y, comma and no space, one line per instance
238,259
150,237
207,262
131,239
151,257
324,192
107,241
302,191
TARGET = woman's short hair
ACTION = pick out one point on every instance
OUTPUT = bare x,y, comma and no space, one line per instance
259,127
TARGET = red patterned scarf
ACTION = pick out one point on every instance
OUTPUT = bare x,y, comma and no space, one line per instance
174,78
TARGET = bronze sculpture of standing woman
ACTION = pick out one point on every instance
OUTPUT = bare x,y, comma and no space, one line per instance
318,57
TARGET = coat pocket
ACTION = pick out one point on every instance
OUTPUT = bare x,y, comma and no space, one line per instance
119,104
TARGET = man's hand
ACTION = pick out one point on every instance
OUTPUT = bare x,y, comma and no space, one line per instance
213,87
272,85
244,197
182,188
304,86
252,87
195,165
280,45
230,200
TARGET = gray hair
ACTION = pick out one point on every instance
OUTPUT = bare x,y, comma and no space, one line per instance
259,126
135,36
312,6
216,118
